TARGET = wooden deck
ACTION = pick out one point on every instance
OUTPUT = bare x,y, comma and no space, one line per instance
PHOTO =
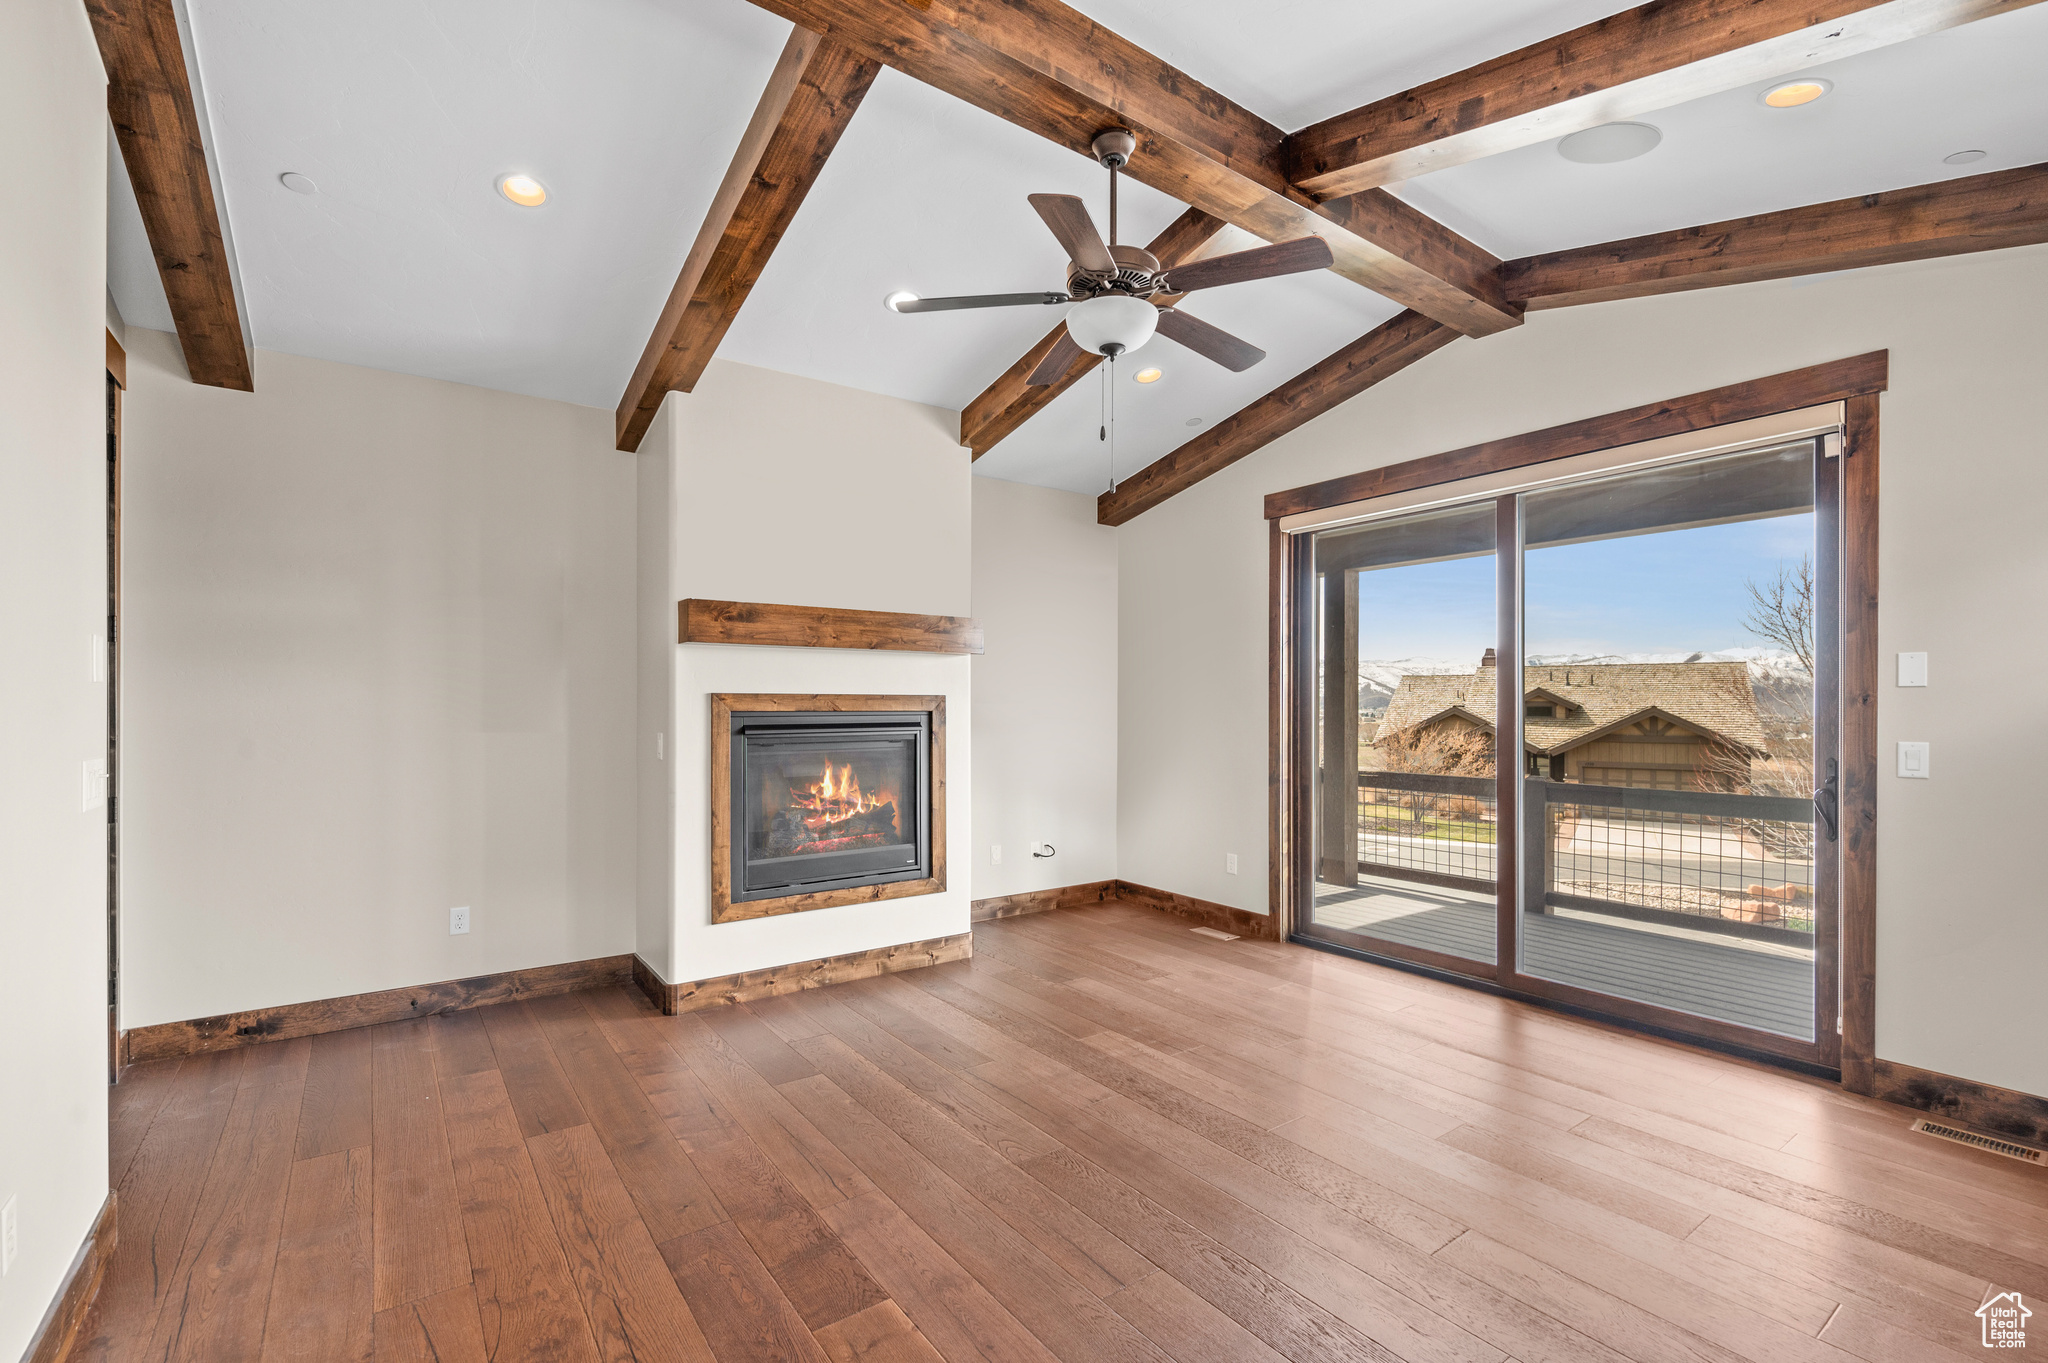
1104,1138
1754,984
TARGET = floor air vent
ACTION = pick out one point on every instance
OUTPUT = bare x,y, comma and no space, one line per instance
1975,1141
1211,932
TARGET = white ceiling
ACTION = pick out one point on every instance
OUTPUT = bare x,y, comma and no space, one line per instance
404,113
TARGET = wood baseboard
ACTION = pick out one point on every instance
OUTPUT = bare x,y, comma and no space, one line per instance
1041,901
1204,912
53,1339
749,985
1987,1108
166,1039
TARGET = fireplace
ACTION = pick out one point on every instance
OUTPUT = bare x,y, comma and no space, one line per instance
827,804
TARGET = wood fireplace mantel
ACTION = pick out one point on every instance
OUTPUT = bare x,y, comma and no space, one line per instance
759,622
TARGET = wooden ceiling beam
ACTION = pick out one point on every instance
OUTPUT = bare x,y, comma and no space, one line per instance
1050,70
816,86
1011,401
1951,217
156,123
1379,354
1621,67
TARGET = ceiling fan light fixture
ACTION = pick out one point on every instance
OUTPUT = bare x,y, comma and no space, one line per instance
1114,324
1149,375
1793,93
523,190
895,301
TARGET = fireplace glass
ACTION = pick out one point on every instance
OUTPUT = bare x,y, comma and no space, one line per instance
827,801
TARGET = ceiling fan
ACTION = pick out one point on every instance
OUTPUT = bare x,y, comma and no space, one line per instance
1113,287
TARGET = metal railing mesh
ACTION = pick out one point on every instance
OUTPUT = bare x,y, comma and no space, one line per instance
1743,870
1433,832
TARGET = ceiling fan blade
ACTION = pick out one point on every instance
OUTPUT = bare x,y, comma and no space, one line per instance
1261,262
1209,342
1056,362
978,300
1068,218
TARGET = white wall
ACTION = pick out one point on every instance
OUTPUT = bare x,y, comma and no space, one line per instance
53,1012
379,662
1962,944
1045,700
798,492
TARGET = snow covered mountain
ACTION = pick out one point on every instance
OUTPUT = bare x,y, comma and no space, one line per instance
1771,671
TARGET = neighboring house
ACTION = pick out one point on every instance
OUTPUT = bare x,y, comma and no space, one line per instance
1666,726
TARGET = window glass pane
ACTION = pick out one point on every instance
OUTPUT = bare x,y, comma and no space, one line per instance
1405,819
1668,737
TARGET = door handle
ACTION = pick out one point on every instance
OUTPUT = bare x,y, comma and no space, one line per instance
1825,801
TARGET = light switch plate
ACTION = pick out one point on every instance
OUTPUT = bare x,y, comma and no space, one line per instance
1913,760
1912,669
10,1237
1230,863
995,854
95,784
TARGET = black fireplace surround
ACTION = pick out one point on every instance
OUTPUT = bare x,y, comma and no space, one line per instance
828,800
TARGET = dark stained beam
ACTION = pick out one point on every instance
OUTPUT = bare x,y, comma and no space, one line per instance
1044,67
1952,217
149,100
811,97
1010,401
1620,67
1380,353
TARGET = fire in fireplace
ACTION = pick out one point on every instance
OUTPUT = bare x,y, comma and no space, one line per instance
828,800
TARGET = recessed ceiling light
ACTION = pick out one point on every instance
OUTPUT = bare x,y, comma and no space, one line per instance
523,190
894,302
1148,376
297,183
1794,93
1610,142
1194,421
1963,158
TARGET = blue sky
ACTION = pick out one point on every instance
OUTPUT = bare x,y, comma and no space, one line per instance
1678,591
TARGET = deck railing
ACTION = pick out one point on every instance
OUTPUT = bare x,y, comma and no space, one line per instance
1707,860
1740,865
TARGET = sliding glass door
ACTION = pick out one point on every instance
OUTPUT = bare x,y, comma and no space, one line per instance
1626,821
1406,823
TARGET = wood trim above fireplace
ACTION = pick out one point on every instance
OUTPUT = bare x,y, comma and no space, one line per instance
703,621
723,909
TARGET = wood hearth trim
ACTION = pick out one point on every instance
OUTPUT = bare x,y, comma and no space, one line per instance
1995,1111
1041,901
724,990
703,621
723,909
284,1021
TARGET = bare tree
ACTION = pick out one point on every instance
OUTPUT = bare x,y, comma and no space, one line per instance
1781,610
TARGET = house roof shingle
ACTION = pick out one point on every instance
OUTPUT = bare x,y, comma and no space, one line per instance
1713,696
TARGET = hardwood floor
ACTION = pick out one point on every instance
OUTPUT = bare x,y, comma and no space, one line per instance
1103,1138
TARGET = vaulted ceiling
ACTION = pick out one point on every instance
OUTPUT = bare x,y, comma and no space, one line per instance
403,114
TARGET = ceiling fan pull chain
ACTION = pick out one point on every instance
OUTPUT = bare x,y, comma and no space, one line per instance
1110,384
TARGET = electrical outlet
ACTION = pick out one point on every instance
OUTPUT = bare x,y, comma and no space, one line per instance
10,1238
1230,863
458,921
661,747
995,854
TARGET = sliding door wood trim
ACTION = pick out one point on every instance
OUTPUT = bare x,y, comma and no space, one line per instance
1859,746
1830,382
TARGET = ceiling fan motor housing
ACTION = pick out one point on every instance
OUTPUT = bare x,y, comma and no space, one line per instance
1137,274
